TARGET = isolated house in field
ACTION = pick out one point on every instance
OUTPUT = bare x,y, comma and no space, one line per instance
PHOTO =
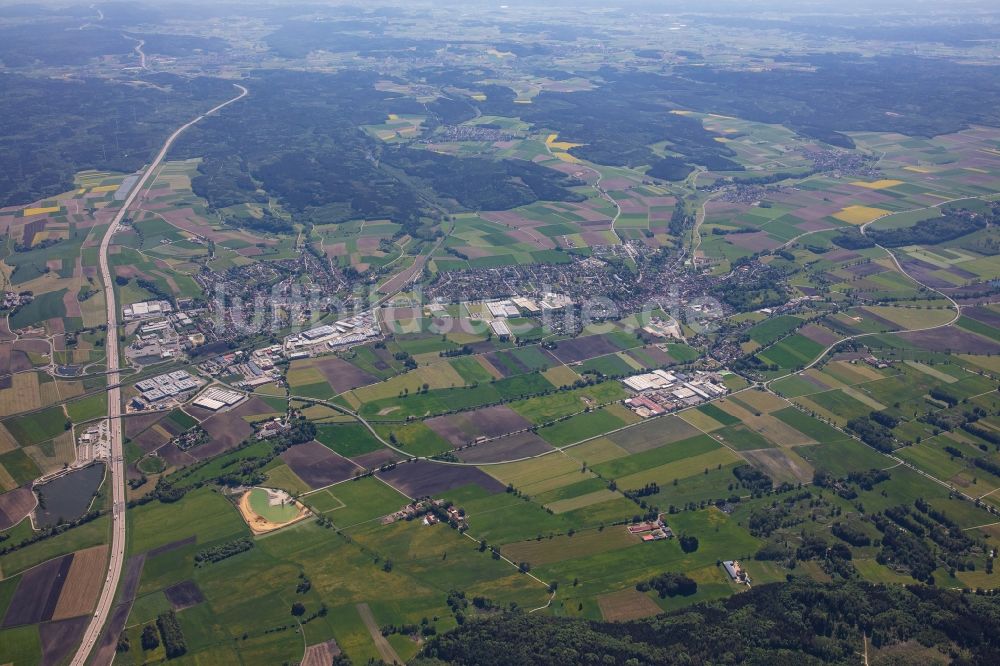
736,572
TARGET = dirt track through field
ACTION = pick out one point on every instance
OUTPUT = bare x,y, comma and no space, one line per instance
385,650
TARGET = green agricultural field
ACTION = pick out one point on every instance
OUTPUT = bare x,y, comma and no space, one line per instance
770,330
623,568
843,456
564,403
204,514
793,351
349,439
90,534
580,427
414,438
282,477
611,365
45,306
471,370
663,455
20,467
681,470
716,413
807,425
20,645
89,408
37,427
181,419
376,171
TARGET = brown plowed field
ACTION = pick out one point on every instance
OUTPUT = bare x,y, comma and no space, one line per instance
515,447
38,592
423,478
59,638
15,506
317,465
463,428
343,376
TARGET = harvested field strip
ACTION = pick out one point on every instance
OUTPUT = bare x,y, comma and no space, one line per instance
687,448
928,370
581,501
551,483
778,431
782,465
626,605
596,451
386,651
700,420
863,397
762,401
582,544
532,471
665,474
653,434
586,486
83,584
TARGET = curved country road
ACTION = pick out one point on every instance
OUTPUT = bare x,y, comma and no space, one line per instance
117,464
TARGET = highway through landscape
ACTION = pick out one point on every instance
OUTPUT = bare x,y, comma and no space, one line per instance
117,461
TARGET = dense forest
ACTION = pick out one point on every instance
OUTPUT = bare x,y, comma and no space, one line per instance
298,138
56,127
906,94
618,122
800,622
953,224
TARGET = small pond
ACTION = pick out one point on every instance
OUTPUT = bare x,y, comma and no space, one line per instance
68,497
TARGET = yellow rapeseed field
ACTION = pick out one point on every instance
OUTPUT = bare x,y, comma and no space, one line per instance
28,212
877,184
104,188
859,214
550,141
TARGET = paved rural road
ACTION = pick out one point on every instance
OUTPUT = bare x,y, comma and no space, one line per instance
117,463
